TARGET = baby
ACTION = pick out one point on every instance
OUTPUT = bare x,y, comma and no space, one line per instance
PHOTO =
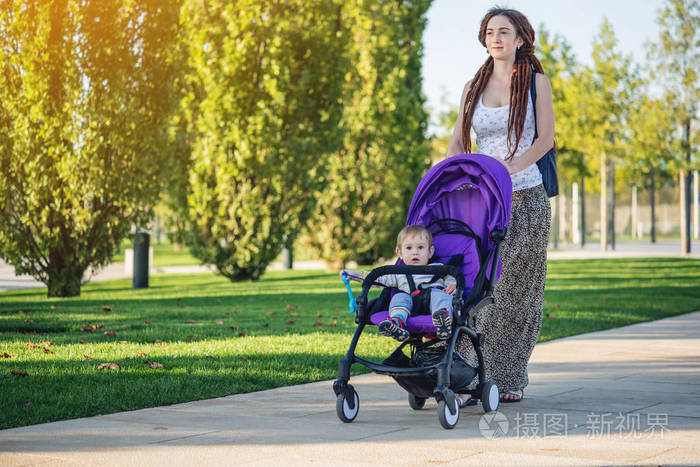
414,246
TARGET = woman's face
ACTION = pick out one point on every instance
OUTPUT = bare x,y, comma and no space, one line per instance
501,38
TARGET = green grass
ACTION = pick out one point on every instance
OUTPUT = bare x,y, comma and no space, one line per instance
214,337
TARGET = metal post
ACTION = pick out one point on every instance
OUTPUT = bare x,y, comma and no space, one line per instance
287,254
141,243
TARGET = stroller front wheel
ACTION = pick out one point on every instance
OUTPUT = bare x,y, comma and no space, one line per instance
447,420
416,402
347,409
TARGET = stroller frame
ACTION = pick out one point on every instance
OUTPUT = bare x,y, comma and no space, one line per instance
347,400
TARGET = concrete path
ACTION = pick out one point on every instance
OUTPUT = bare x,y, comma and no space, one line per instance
626,396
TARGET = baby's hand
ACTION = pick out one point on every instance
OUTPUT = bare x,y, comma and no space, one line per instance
451,289
343,272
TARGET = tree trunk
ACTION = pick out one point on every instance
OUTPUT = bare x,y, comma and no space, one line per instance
65,279
575,222
603,204
583,205
685,213
635,215
612,203
653,206
696,195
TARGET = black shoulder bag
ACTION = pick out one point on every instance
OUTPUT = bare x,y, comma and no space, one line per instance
547,163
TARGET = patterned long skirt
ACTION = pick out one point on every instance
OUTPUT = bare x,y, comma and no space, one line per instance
512,324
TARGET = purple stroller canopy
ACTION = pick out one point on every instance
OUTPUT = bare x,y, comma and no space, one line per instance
472,189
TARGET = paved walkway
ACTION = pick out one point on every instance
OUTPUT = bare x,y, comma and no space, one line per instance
623,396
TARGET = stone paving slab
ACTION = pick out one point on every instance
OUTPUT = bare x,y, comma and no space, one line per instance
627,396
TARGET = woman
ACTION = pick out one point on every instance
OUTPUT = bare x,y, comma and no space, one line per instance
497,106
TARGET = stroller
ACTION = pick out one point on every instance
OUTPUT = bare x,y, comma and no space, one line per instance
464,201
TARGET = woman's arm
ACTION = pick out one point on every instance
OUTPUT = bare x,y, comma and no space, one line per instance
545,127
456,146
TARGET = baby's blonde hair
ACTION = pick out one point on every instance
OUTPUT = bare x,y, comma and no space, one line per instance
411,230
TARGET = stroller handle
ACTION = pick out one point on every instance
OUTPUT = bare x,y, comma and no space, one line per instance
440,271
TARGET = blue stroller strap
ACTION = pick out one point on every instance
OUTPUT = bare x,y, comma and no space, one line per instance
352,304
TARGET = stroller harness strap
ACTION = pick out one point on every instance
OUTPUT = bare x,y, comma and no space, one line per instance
421,295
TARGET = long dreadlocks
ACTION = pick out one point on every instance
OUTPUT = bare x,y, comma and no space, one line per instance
525,64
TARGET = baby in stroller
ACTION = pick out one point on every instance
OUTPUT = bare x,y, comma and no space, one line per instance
417,294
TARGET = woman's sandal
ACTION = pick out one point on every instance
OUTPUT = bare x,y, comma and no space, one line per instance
465,400
511,396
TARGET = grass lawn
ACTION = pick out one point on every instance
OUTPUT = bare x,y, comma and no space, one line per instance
201,336
165,254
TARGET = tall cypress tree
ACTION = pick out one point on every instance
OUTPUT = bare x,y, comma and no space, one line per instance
262,109
371,179
85,96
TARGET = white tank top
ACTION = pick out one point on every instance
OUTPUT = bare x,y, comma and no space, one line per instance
491,127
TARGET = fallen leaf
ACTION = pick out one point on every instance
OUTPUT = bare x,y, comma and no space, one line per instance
28,402
218,300
603,298
46,344
18,373
238,310
147,322
550,316
83,342
293,315
266,325
107,308
154,365
241,334
31,346
337,309
158,341
47,350
110,333
270,313
6,355
286,330
123,342
167,311
226,313
234,327
192,338
218,321
52,307
141,354
244,358
110,366
94,327
87,358
556,305
334,317
28,320
290,321
290,308
319,315
330,325
318,324
191,321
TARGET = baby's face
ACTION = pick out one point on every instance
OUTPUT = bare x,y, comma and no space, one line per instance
415,250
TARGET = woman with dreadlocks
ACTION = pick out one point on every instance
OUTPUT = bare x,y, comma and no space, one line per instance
496,104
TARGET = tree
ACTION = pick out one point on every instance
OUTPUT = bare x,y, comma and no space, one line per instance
677,58
262,109
612,86
372,178
85,95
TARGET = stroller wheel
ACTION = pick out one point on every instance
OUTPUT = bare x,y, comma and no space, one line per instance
447,420
416,402
347,409
490,396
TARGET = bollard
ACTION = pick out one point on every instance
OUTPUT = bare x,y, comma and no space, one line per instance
141,247
287,254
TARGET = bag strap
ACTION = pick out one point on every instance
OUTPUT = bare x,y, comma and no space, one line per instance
533,93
